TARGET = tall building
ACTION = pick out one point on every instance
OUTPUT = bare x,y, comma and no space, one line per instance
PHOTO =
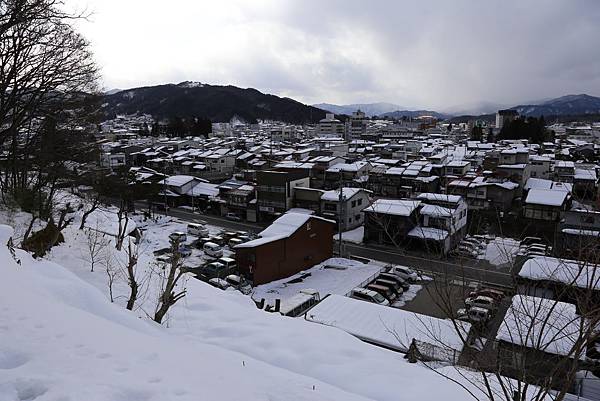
330,126
356,125
504,116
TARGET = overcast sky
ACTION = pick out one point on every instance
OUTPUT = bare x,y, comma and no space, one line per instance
426,53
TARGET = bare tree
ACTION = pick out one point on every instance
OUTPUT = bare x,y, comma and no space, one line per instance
541,341
93,206
111,272
170,279
96,244
130,269
122,228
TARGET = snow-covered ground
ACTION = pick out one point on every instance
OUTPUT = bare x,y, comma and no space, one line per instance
501,251
62,339
355,236
334,276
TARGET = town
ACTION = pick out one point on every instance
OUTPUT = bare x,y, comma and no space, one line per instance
299,200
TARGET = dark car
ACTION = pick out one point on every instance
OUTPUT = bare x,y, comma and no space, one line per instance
389,276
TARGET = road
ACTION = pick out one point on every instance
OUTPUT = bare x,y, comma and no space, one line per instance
466,269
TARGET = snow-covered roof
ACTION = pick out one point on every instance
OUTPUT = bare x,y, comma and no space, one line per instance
177,180
282,228
548,197
350,167
540,183
570,272
436,234
203,188
436,211
397,207
334,195
543,324
389,327
439,197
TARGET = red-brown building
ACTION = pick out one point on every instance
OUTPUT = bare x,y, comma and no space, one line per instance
294,242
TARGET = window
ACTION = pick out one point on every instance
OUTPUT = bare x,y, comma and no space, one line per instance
357,217
353,203
360,202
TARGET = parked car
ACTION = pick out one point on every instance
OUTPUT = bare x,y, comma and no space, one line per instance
212,249
497,295
229,263
233,242
227,235
179,236
197,230
219,283
481,301
212,270
217,239
244,238
389,276
405,273
473,242
385,291
185,251
465,251
239,283
200,242
474,314
531,240
391,284
233,217
370,296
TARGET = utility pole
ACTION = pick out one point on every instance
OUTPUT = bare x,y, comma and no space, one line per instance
340,213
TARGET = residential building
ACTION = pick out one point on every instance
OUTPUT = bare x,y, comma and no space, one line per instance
347,212
292,243
275,191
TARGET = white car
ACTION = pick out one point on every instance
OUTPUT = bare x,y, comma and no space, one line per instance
405,273
481,301
239,283
212,249
473,314
219,283
197,230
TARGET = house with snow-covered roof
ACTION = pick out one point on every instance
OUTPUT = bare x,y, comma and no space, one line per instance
538,340
345,208
292,243
388,221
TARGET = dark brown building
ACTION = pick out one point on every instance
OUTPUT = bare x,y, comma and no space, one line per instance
294,242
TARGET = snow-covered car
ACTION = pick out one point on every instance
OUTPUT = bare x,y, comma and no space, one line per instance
481,301
488,292
391,284
239,283
179,236
197,230
233,242
370,296
531,240
219,283
212,249
404,272
185,251
388,293
474,314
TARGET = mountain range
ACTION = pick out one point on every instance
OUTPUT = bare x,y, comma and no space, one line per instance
564,105
225,103
370,109
217,103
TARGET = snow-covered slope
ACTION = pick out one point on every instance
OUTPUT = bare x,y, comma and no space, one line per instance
61,340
